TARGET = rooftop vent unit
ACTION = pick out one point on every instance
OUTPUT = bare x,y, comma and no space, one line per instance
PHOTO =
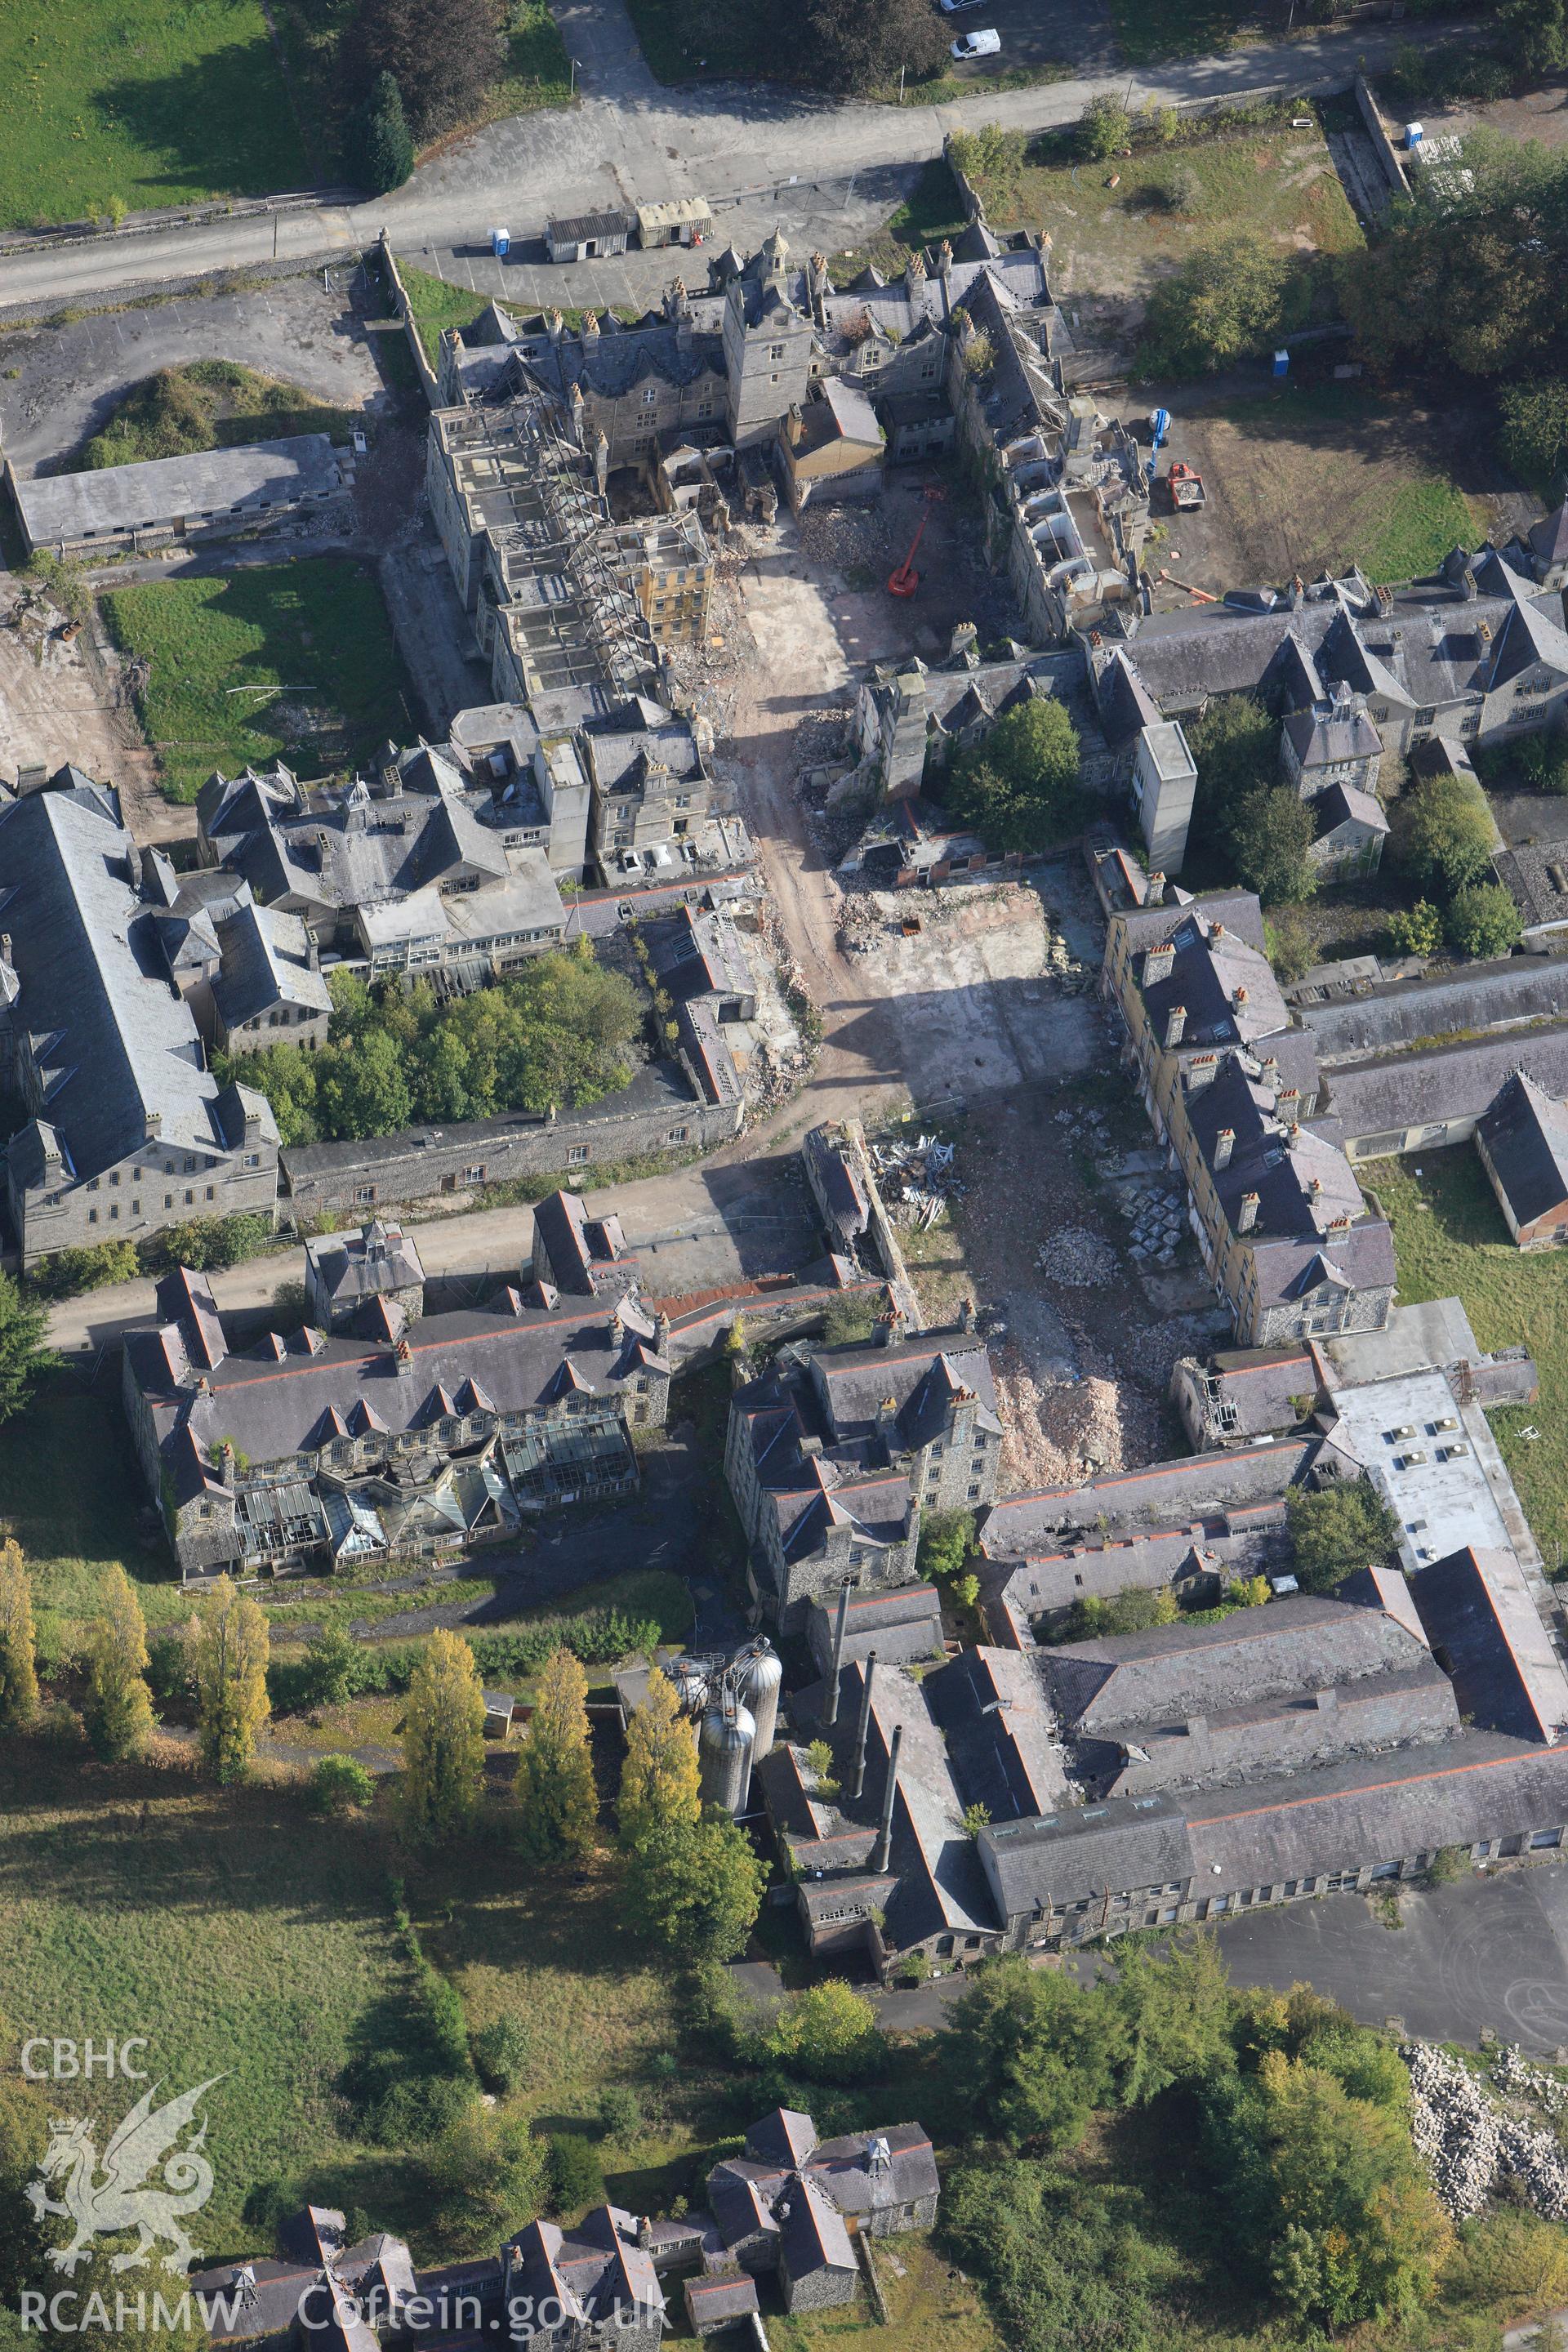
1412,1461
1405,1429
1448,1421
1452,1453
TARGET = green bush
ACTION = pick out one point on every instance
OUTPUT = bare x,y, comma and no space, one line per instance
1417,931
576,2176
66,1274
501,2052
340,1785
417,2109
1483,920
1104,128
1543,760
620,2114
1443,834
1178,189
1341,1528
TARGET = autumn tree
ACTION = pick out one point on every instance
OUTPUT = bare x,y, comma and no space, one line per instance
829,2033
18,1649
660,1778
698,1891
860,46
444,56
118,1707
229,1655
555,1774
443,1739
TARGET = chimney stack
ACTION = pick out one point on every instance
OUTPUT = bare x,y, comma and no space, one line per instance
1224,1145
1248,1216
1158,963
883,1847
857,1772
1175,1023
830,1703
967,1314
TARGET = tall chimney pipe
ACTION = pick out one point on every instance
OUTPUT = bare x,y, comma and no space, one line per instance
857,1776
830,1703
883,1846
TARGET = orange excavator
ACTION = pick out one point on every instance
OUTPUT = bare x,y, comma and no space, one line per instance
906,579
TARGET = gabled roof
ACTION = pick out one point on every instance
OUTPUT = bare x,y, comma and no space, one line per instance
1525,1133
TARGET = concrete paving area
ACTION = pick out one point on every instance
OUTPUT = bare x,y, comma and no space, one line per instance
71,376
1490,1950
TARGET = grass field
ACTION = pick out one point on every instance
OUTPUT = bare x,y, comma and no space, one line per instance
436,305
1271,182
1147,31
312,640
145,101
243,1939
69,1493
207,404
929,2304
1450,1240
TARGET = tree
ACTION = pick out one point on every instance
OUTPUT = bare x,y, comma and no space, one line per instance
365,1092
698,1890
660,1778
229,1655
1104,129
386,143
1536,33
1533,434
24,1358
1227,301
1339,1528
487,2177
1272,833
555,1774
1064,2268
859,46
829,2033
947,1538
443,1739
1176,2011
340,1785
118,1712
1020,786
18,1648
501,2051
1032,2053
1483,920
1249,1591
332,1662
1235,746
1417,931
1443,834
444,56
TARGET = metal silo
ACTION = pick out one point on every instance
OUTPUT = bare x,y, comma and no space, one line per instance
689,1677
758,1683
724,1755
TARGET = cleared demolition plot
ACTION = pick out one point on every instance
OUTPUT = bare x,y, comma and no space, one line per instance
63,697
1113,235
1319,476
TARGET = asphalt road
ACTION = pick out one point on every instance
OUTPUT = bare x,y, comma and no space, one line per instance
631,139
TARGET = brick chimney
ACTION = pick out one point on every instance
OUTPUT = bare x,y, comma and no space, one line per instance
1224,1145
1247,1217
1176,1025
1288,1103
1157,964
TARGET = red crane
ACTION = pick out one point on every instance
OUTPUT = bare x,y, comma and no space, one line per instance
906,579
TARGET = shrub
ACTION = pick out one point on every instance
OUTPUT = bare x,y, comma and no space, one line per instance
829,2033
1417,931
501,2051
1443,834
1226,301
1177,190
1104,128
339,1785
1483,920
576,2176
1341,1527
620,2114
1542,761
418,2108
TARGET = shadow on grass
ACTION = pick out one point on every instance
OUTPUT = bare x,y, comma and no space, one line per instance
222,123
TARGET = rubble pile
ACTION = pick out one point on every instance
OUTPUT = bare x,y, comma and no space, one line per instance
846,539
1159,1224
1076,1257
1514,2072
916,1180
860,924
1064,967
1060,1434
1468,2144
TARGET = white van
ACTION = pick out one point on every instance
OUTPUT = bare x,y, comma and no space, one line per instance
977,45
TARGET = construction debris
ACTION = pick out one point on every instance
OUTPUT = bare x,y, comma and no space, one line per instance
916,1180
1470,2146
1058,1435
1076,1257
1159,1216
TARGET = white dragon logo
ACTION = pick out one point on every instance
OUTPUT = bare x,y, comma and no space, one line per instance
100,2205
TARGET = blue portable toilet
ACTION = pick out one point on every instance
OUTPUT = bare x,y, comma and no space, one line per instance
500,243
1281,364
1159,425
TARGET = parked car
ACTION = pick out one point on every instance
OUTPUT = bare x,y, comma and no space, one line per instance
977,45
952,8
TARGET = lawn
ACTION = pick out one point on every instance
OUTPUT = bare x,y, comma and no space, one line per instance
436,305
1269,182
207,404
243,1939
1450,1240
292,661
69,1493
146,103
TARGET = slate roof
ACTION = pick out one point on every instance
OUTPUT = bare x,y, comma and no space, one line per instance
1510,991
578,1246
116,1042
357,1267
1222,980
1459,1791
1259,1384
592,2270
1166,1495
784,2136
1485,1629
900,1624
266,962
812,2235
161,489
920,1373
989,1704
1444,1082
1340,804
1302,1643
1333,733
1525,1132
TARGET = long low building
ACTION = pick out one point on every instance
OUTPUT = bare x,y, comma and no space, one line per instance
198,497
1434,1095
